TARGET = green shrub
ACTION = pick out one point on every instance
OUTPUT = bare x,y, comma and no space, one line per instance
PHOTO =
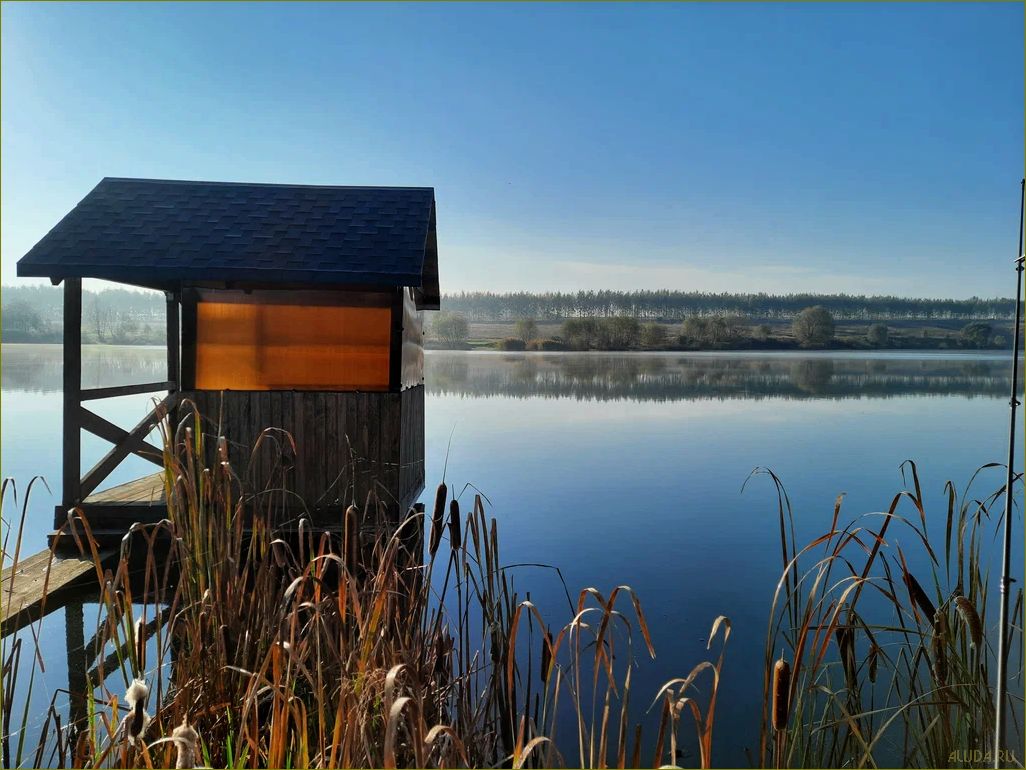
526,329
546,344
580,333
976,334
653,335
510,343
813,327
878,335
451,328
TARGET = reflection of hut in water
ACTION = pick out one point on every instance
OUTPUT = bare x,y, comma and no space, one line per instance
289,306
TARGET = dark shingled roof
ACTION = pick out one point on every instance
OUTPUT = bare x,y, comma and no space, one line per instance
155,232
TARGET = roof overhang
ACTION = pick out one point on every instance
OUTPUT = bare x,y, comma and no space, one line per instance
164,234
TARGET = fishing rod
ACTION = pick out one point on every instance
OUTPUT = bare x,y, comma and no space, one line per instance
1006,579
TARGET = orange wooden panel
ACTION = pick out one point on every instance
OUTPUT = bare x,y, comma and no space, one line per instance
242,346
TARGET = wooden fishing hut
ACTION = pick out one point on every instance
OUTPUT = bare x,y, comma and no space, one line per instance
289,306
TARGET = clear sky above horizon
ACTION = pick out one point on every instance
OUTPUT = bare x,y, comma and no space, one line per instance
836,147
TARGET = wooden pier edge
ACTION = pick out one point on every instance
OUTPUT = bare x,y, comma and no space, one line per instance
42,583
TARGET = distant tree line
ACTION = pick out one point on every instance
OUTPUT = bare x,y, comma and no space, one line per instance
813,327
112,316
678,305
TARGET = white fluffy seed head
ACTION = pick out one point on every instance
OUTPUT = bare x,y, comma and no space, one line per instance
187,742
137,691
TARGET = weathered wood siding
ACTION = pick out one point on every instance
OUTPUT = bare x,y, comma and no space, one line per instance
411,449
346,444
412,366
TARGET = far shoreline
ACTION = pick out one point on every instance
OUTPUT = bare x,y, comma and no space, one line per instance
839,351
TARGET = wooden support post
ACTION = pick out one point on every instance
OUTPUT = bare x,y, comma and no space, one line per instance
72,455
395,352
74,629
173,339
188,360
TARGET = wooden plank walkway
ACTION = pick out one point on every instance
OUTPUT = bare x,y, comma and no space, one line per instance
22,588
149,490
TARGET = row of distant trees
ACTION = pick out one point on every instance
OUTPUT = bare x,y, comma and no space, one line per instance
678,305
812,327
116,316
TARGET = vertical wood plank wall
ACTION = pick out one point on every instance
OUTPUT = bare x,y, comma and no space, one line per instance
346,444
411,449
411,355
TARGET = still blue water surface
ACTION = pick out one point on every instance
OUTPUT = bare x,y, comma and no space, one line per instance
625,469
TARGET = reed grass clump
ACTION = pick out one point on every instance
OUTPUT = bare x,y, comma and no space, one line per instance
905,687
245,643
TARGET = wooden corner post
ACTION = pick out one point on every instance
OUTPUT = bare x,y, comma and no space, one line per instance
72,454
187,364
173,340
395,348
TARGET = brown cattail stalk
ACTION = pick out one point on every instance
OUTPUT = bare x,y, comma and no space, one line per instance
546,655
918,596
135,721
455,534
971,618
938,647
845,637
351,535
781,694
438,518
781,707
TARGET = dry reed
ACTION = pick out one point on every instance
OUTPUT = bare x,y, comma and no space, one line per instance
274,647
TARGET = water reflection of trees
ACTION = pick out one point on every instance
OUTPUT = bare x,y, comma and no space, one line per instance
37,368
675,378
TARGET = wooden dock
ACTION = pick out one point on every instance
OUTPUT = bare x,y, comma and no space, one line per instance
42,575
147,493
112,511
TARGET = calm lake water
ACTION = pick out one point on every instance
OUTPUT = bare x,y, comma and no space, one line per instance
626,469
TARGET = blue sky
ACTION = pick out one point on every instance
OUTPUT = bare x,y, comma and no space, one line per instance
752,147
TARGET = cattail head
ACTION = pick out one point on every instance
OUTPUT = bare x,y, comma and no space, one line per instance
187,742
874,662
918,596
443,644
351,534
135,722
225,640
438,518
781,693
137,692
496,648
546,655
455,535
971,618
845,637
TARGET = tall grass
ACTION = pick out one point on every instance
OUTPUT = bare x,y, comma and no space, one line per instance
227,641
888,667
